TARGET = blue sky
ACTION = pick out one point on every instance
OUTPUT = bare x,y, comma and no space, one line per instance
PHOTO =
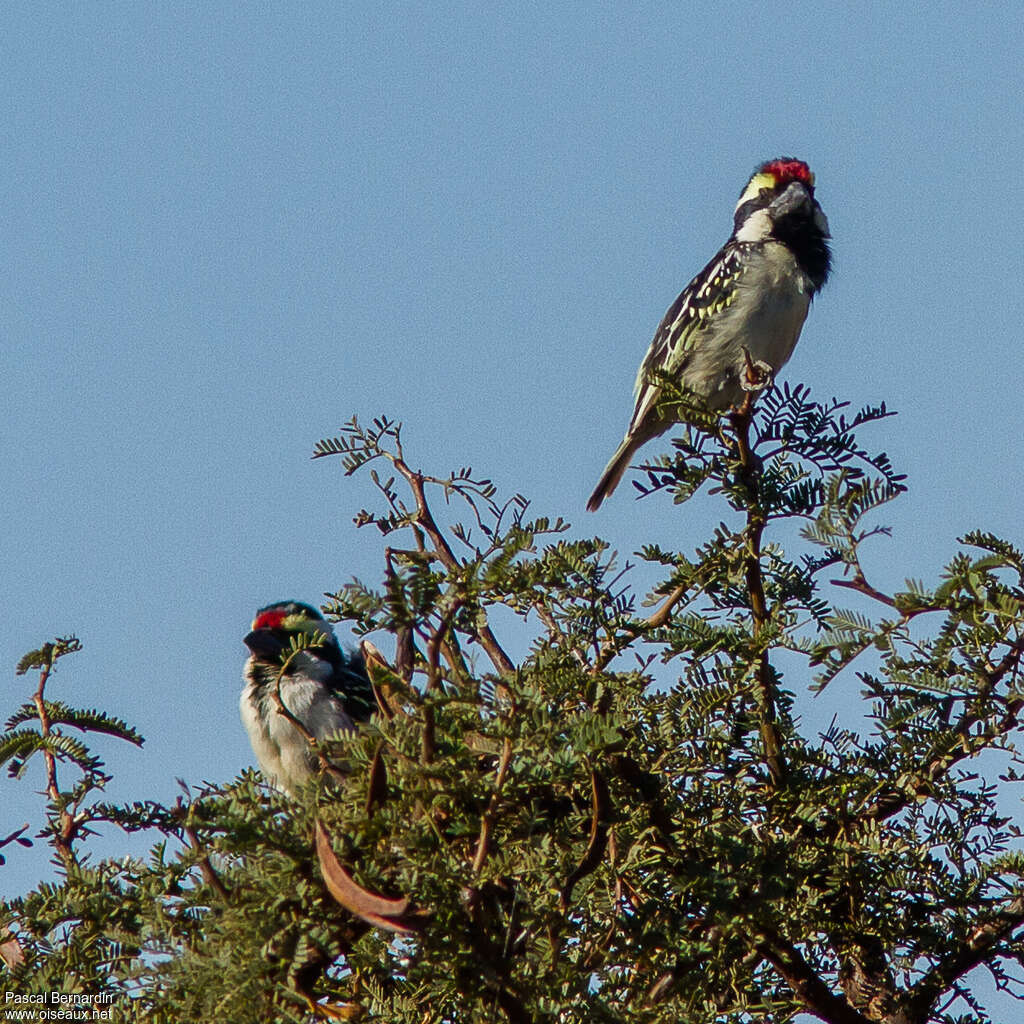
228,228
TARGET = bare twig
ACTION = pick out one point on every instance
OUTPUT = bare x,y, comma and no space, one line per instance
52,789
425,520
861,585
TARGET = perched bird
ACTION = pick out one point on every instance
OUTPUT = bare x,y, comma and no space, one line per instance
323,687
740,317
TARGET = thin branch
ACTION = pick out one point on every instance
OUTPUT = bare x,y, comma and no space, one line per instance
64,839
975,949
456,662
894,801
861,585
754,577
487,820
213,880
657,618
299,727
436,642
426,521
555,631
52,790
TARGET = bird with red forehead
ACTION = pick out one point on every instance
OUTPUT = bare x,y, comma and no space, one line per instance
293,652
734,326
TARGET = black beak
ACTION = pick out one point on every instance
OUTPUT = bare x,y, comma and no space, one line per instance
264,643
795,199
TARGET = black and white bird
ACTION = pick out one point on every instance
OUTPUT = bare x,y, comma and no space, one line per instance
743,312
322,686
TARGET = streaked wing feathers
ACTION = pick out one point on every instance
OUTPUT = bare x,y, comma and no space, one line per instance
711,291
351,685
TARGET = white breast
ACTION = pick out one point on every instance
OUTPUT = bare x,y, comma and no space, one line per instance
283,753
765,318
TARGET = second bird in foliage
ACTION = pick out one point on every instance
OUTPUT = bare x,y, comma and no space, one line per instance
736,323
323,687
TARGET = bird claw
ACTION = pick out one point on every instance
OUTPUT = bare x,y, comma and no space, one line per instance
758,374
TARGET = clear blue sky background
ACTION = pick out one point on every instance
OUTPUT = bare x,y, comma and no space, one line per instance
227,228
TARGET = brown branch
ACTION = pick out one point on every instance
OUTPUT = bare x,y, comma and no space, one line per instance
555,631
64,839
598,954
894,801
815,995
209,874
425,520
741,419
299,727
656,619
487,953
487,821
436,641
861,585
1007,664
182,814
456,662
434,646
975,949
52,789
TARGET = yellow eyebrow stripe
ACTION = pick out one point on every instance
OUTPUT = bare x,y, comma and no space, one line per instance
757,182
301,624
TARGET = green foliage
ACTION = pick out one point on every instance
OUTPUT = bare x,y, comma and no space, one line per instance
552,838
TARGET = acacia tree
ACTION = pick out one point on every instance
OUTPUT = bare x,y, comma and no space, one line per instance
549,837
